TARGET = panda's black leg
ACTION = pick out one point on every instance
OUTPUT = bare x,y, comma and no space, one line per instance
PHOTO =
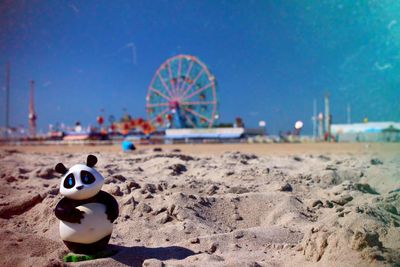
88,249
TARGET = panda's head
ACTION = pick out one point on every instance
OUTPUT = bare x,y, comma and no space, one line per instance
80,181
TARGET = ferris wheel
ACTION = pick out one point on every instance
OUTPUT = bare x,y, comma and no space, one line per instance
182,94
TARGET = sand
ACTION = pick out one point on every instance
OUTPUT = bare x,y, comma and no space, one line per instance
215,205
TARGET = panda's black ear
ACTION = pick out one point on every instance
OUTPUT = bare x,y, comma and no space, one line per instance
91,161
60,168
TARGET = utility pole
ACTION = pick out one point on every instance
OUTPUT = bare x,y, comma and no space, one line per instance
314,119
348,114
32,113
7,97
327,118
321,126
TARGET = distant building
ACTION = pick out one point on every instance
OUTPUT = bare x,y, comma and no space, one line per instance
367,132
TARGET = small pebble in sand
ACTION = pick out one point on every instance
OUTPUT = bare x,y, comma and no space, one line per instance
131,185
325,158
296,158
164,218
316,203
116,190
131,201
237,217
328,204
238,190
148,195
11,179
340,209
53,191
213,247
238,234
195,240
376,161
151,188
342,199
120,177
159,210
229,173
286,188
331,168
145,208
138,169
46,173
212,189
177,169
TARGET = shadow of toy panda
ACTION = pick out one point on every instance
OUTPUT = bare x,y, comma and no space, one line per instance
135,256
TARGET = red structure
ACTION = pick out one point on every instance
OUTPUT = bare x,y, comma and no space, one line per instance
100,120
32,113
7,96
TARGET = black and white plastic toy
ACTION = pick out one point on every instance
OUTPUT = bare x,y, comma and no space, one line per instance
86,213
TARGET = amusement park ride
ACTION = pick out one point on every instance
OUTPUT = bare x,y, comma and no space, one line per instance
182,94
181,102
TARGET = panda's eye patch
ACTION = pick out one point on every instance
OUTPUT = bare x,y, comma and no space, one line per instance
87,177
69,182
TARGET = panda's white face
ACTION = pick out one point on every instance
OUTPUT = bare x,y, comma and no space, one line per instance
81,182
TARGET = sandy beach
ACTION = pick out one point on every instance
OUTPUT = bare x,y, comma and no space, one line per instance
214,204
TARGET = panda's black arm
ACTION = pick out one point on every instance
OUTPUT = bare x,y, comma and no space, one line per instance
66,211
111,204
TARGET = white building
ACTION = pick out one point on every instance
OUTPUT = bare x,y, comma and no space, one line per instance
367,132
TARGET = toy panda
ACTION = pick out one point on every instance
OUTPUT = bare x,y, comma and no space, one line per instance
86,213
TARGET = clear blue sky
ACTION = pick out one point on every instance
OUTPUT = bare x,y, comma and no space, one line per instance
270,58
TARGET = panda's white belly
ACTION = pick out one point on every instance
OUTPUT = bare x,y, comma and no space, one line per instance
93,227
